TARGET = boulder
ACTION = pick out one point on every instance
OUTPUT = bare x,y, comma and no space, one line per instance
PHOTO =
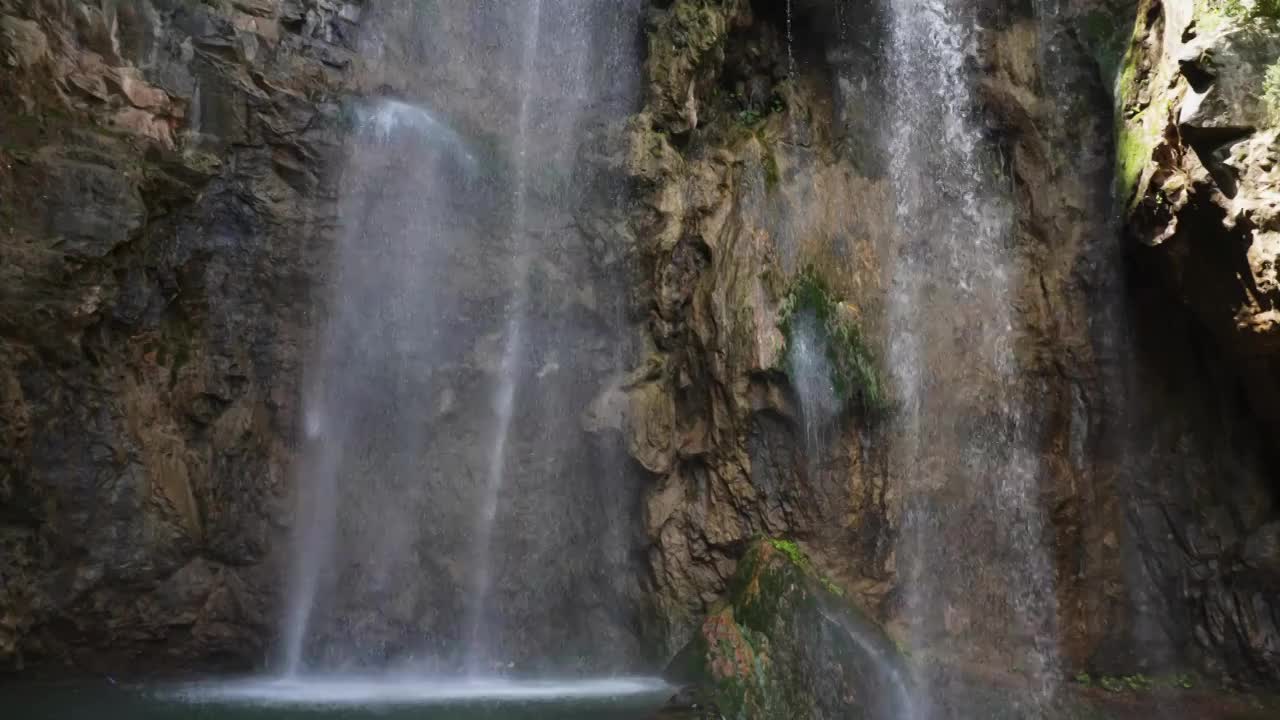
787,645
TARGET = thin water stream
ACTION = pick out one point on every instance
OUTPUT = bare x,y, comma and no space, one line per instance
478,643
965,440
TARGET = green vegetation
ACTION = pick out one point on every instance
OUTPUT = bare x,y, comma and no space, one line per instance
1105,36
1136,683
754,656
1140,128
802,561
854,369
1246,9
749,114
791,550
1211,15
1271,92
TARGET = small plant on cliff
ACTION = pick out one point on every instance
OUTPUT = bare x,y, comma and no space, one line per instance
855,374
802,561
1244,9
791,550
1138,683
1271,92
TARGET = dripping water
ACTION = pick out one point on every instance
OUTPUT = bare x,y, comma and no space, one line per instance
791,41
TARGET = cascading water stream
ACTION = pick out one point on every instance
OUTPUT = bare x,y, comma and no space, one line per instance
334,388
791,42
811,373
966,440
900,704
440,491
512,360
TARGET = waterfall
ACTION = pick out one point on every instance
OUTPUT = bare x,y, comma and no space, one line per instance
900,703
512,358
791,42
367,316
965,446
811,373
443,478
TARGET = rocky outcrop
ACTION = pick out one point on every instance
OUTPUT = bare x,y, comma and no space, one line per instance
1198,98
733,161
786,645
164,183
1195,133
167,203
1148,552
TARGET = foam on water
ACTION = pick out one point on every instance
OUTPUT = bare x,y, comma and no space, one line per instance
365,691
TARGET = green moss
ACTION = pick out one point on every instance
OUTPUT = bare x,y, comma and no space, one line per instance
756,656
1240,9
1133,152
1271,92
1139,127
1104,35
772,176
791,550
855,371
1137,683
798,558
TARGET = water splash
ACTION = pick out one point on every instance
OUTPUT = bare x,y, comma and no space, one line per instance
389,117
393,690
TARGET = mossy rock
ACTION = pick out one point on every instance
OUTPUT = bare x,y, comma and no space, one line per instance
687,42
785,645
855,371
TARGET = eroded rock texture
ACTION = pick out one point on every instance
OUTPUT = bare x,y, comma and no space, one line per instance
167,199
164,190
1195,133
754,160
735,160
786,645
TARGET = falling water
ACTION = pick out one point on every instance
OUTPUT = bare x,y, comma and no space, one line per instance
443,480
512,357
362,321
967,436
899,703
791,42
811,372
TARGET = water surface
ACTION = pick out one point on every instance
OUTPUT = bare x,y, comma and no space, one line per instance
342,698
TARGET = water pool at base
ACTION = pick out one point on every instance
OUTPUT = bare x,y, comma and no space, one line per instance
343,698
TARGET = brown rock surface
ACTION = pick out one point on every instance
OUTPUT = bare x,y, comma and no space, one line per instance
163,182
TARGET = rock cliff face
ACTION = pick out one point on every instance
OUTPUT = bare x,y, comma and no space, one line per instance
755,160
164,175
168,198
746,176
1195,129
